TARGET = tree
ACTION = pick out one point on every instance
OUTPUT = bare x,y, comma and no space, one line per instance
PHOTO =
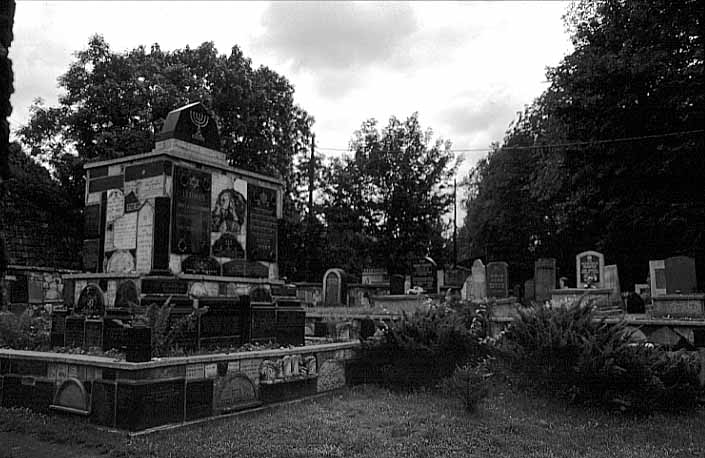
385,204
116,102
626,109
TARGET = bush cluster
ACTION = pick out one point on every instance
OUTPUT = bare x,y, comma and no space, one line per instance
24,332
568,351
418,351
469,383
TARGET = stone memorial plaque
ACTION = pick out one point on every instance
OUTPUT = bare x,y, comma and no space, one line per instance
396,284
91,301
105,183
145,237
680,275
544,278
657,274
232,392
94,333
261,223
497,279
127,295
164,286
202,265
115,205
125,232
191,212
120,261
590,269
243,268
478,287
160,255
91,221
424,275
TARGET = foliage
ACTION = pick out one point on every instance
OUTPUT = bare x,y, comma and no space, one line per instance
470,383
636,72
24,332
384,205
419,350
568,351
165,332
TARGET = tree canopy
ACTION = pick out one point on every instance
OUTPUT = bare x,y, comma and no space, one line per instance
384,204
610,156
114,104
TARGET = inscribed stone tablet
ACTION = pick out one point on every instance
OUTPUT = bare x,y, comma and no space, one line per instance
91,221
91,301
497,279
115,205
589,267
91,254
145,233
191,212
261,223
125,230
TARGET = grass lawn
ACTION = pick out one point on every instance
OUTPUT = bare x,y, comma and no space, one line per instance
371,422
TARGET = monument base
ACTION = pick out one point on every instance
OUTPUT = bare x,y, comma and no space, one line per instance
679,306
596,297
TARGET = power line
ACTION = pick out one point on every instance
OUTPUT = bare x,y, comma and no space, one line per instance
554,145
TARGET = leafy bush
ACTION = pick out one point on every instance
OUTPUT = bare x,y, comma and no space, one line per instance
25,332
469,383
418,350
567,350
165,333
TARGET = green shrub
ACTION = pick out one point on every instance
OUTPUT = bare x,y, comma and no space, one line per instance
166,334
469,383
418,350
569,351
25,332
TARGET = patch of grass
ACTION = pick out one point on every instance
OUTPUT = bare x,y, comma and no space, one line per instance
368,421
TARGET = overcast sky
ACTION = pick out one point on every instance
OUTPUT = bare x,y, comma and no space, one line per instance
466,67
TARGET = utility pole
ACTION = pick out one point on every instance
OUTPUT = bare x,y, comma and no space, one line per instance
311,179
455,222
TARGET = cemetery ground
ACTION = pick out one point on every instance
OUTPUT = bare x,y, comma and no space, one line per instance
368,421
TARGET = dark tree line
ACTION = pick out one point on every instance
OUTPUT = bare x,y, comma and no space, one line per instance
610,156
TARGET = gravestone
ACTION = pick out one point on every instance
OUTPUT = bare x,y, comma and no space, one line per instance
424,275
201,265
93,333
657,276
590,269
396,284
162,218
261,223
332,286
127,295
465,290
478,287
91,301
612,282
191,210
544,278
497,279
680,275
74,331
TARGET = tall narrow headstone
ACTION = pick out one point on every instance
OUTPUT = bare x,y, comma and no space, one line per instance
590,269
529,290
497,279
424,275
657,276
467,287
396,284
612,282
544,278
680,275
478,289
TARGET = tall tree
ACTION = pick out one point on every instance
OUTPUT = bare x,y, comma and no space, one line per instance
626,109
385,204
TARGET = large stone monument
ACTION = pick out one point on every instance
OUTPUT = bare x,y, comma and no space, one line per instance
179,222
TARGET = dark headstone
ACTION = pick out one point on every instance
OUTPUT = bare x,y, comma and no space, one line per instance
635,304
191,212
75,331
396,284
243,268
680,275
105,183
114,336
193,124
263,324
138,348
260,294
68,292
424,275
544,278
127,295
94,334
160,247
367,328
19,291
202,265
261,223
91,221
91,255
164,286
497,279
290,326
91,302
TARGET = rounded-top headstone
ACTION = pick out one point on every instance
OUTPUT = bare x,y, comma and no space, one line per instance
91,301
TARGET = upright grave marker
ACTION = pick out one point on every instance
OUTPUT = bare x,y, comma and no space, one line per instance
680,275
590,269
612,282
424,275
497,279
478,289
657,276
544,278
